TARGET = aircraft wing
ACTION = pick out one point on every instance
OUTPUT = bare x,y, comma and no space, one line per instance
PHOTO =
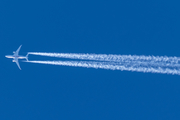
16,60
17,51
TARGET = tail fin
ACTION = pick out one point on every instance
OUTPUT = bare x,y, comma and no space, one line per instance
27,57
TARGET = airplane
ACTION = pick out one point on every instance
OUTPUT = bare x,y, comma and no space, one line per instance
16,56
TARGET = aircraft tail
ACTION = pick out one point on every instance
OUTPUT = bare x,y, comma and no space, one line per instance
27,57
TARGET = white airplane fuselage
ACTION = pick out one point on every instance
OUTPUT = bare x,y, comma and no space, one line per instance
16,56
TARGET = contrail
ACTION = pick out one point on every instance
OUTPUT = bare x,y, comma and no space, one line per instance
129,66
116,58
141,59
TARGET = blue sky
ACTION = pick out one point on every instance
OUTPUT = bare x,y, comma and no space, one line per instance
126,27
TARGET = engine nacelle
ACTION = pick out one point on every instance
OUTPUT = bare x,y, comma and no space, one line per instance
13,60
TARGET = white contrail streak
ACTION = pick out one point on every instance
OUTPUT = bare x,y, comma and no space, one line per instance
154,64
129,66
116,58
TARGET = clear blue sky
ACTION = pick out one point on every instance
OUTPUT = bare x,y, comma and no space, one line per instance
47,92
